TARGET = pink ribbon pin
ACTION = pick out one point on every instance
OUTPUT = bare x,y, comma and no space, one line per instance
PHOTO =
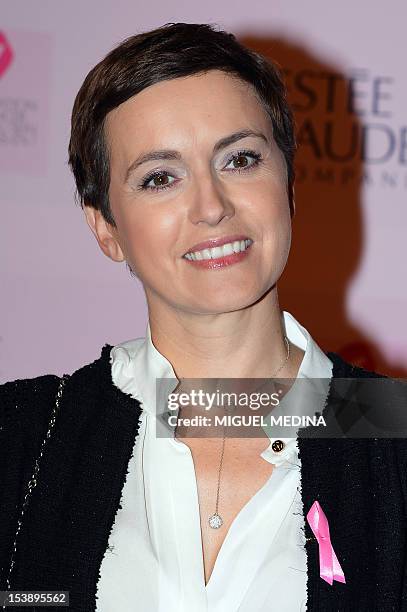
329,567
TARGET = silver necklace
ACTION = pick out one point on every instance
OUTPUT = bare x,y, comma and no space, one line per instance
215,520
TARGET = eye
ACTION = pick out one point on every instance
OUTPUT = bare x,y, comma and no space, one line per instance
159,179
241,158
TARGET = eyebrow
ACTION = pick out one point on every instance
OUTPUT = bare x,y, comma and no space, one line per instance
171,154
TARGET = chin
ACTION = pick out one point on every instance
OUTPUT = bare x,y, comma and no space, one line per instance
223,303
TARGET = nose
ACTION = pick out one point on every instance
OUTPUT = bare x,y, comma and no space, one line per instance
210,203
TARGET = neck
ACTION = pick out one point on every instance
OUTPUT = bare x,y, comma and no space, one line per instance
247,343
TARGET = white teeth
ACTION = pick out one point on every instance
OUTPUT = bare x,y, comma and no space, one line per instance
227,249
222,251
216,252
206,254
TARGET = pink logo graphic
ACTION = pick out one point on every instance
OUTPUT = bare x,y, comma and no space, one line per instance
6,54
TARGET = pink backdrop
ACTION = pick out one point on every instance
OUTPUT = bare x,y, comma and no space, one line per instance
345,279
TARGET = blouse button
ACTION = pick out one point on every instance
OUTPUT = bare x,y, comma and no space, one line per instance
277,446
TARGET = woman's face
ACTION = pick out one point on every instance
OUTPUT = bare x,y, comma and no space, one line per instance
193,160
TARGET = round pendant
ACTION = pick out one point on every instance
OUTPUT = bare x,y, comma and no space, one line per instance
215,521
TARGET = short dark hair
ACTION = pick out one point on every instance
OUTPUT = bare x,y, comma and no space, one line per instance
170,51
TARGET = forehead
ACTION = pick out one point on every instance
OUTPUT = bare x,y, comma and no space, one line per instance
194,109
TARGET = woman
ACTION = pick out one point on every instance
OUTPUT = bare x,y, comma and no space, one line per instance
182,149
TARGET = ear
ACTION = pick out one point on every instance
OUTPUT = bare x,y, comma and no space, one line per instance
105,234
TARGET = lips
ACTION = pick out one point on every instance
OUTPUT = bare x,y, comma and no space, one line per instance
214,242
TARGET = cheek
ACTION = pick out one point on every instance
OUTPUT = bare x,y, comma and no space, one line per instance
280,233
272,211
150,236
272,215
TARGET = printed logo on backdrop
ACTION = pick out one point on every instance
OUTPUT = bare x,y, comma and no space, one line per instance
349,128
25,71
6,54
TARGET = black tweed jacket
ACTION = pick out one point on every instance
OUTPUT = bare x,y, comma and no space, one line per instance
63,464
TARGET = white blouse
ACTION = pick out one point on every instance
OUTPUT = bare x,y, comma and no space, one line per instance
154,560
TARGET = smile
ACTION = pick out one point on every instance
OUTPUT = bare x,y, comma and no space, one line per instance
216,257
238,246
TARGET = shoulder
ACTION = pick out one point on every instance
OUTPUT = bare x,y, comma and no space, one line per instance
27,405
391,396
376,391
27,409
26,400
345,369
